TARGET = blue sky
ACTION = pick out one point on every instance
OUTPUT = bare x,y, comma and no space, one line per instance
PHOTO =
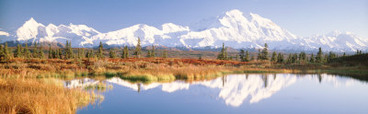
301,17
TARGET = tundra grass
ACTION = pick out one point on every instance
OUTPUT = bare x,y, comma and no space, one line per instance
40,96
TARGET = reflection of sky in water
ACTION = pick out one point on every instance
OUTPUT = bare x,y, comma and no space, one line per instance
237,91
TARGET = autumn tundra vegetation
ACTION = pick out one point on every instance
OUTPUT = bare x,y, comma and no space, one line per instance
156,65
27,72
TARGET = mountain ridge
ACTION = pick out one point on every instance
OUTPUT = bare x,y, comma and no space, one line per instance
233,28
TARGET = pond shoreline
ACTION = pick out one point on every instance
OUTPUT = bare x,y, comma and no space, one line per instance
158,69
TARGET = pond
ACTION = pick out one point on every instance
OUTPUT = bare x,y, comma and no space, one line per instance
239,93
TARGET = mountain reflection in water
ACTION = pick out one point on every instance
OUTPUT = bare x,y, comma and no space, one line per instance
233,89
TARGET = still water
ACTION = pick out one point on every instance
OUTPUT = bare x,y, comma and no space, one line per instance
240,93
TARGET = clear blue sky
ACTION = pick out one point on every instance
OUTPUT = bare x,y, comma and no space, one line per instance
301,17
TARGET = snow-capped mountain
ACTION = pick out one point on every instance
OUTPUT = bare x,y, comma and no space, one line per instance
337,42
234,28
32,31
167,36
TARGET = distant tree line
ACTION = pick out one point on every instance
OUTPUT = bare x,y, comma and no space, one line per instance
263,55
37,51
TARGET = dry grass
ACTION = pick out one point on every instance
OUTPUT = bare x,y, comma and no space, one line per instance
143,69
40,97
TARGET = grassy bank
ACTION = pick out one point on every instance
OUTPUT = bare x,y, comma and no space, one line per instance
40,97
156,69
144,69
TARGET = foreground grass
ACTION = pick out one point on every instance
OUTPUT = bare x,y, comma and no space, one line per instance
40,97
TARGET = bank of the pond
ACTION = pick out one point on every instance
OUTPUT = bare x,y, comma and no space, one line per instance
154,69
41,96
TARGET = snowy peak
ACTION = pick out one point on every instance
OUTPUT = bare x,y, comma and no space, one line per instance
32,22
171,27
233,18
337,41
29,30
234,28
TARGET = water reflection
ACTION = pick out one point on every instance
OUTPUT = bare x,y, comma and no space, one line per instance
80,83
234,90
237,89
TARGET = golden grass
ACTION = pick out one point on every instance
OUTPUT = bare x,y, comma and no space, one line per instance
143,69
40,97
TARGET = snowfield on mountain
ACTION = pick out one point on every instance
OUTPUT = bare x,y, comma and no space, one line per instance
233,28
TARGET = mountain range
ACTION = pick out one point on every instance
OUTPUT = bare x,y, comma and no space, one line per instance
233,28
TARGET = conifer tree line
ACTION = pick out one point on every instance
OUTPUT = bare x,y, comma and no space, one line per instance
67,52
223,54
263,55
38,51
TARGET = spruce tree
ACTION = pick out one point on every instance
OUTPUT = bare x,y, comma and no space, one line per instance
7,52
226,57
242,55
274,58
246,58
90,54
149,53
60,53
331,56
294,58
67,56
50,52
223,54
35,50
18,51
112,53
325,58
27,53
125,53
302,57
87,54
100,51
41,54
138,49
264,55
312,60
259,55
82,53
153,51
2,54
357,53
79,56
68,51
53,54
319,56
280,58
289,59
